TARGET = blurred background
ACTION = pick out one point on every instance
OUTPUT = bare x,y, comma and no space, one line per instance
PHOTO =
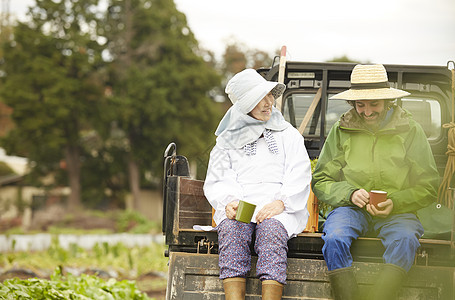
92,91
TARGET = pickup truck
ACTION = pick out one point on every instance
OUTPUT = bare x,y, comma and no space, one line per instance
193,259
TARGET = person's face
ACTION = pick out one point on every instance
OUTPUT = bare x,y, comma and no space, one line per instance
263,110
371,111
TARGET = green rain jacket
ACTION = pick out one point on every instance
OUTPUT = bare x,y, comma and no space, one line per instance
396,158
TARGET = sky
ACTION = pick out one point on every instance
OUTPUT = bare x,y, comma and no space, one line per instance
420,32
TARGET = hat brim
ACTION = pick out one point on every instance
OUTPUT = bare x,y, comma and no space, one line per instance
278,90
370,94
259,92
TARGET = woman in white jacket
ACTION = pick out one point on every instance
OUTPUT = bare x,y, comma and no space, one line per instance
259,158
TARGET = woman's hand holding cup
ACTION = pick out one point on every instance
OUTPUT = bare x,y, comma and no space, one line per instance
231,209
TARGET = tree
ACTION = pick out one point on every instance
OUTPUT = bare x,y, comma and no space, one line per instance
343,58
5,169
234,59
237,57
52,85
159,84
6,124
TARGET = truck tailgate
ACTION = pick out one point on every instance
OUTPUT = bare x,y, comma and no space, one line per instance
195,276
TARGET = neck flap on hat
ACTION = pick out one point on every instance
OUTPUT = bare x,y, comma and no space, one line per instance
237,129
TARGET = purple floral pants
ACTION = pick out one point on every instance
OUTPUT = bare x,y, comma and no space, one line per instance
271,246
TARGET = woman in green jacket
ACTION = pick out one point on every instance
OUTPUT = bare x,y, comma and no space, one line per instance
374,146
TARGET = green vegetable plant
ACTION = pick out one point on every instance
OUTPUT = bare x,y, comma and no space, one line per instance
128,262
83,287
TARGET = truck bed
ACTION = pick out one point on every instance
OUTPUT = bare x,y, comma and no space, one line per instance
193,258
195,276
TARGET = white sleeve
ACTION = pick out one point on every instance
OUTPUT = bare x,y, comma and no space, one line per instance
221,186
297,175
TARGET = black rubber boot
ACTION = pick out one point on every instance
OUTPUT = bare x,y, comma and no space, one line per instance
388,283
344,285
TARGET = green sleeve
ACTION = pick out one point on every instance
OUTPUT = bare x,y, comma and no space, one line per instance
328,184
423,177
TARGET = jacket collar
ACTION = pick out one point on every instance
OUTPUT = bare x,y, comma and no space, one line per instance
397,121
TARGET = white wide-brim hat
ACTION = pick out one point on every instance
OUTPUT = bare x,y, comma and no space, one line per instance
248,88
370,82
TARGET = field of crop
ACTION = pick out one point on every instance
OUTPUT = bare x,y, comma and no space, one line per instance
116,270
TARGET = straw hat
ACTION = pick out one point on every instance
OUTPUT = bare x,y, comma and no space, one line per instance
369,82
248,88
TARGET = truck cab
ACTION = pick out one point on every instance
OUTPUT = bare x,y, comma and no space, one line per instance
192,251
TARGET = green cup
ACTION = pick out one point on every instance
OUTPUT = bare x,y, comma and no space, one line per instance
245,211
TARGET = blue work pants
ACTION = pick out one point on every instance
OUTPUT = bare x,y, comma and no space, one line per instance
399,234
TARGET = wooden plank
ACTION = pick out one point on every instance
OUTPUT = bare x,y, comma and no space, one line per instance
281,72
187,221
194,203
195,276
193,208
191,186
313,209
310,111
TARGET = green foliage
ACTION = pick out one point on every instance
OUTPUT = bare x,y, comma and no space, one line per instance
313,164
51,66
5,169
237,57
104,182
345,58
159,83
125,261
135,222
67,286
99,89
49,84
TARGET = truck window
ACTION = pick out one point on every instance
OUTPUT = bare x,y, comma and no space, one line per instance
297,104
427,112
335,108
295,107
